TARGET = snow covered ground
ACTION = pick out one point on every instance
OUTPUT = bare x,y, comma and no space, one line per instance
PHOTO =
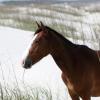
13,43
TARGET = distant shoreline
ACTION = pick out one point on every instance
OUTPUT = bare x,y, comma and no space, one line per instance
72,2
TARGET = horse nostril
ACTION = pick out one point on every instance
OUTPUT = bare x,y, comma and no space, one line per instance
27,63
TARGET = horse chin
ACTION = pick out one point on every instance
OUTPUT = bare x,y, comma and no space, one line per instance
27,67
29,63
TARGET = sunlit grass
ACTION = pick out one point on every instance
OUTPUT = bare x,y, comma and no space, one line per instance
22,91
64,19
29,93
25,17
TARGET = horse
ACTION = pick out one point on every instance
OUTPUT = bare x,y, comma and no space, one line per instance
80,65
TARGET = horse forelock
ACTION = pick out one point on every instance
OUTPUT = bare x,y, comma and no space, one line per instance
37,31
44,29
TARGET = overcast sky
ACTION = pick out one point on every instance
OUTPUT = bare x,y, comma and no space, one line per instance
40,0
48,0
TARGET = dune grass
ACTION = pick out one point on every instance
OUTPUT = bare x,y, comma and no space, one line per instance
65,19
37,93
15,93
20,90
24,17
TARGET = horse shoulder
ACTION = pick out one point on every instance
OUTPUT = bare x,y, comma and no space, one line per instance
67,82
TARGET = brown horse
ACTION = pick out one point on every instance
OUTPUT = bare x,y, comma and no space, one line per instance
79,64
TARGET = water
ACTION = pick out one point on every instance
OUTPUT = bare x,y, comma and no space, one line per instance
72,2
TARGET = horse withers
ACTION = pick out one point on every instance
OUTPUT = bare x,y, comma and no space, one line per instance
79,64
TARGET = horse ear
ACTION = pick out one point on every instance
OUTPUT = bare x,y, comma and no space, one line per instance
38,24
42,25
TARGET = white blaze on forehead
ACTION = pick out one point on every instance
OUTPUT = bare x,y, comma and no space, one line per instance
27,49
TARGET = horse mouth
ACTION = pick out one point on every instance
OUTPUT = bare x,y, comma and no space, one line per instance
26,66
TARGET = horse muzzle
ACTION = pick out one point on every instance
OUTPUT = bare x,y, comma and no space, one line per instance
27,63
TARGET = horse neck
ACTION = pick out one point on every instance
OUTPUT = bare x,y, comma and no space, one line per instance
62,55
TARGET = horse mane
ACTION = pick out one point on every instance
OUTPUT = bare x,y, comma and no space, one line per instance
66,41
